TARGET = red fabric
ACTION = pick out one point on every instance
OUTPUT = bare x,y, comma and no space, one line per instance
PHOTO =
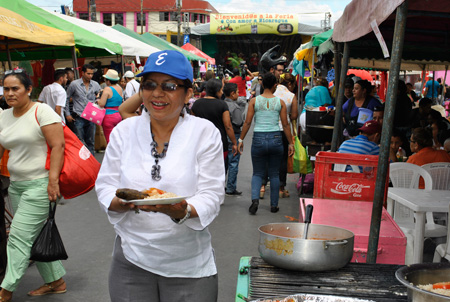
48,72
37,73
383,86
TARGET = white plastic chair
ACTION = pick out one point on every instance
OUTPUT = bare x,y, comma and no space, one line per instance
440,174
443,250
405,175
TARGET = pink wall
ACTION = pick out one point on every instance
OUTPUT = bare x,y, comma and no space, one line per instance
441,74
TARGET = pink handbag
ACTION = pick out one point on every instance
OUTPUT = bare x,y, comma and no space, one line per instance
93,113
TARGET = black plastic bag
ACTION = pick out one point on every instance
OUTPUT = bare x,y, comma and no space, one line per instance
48,245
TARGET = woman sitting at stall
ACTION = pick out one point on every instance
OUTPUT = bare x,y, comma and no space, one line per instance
318,96
354,118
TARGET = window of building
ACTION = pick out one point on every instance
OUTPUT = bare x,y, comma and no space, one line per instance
107,19
167,16
138,19
118,19
83,16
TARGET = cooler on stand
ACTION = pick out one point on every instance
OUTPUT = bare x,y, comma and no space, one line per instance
355,216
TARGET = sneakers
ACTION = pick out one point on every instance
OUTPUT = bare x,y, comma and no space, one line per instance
274,209
234,193
254,207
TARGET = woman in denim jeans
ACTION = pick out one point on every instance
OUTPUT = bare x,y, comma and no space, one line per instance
267,145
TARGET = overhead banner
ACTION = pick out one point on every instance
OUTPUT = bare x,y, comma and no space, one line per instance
242,24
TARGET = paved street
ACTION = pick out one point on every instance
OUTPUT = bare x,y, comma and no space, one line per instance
88,238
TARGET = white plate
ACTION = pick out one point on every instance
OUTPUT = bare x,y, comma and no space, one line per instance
152,202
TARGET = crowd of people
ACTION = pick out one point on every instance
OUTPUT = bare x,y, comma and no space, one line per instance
171,132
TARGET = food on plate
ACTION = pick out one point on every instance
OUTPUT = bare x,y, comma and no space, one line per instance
154,193
130,194
442,288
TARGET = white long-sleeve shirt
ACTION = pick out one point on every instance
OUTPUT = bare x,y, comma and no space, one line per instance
193,166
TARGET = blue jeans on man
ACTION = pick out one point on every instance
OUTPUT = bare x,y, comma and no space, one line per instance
233,166
267,149
86,133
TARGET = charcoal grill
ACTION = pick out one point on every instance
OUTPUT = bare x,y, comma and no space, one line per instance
377,282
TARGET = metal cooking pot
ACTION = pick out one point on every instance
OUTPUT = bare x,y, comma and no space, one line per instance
328,248
423,274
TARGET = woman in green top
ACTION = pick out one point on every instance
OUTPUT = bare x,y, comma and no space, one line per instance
267,145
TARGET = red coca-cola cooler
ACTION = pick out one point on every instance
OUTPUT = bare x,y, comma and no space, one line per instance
346,176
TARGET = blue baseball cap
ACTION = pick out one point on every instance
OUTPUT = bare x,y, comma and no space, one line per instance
170,62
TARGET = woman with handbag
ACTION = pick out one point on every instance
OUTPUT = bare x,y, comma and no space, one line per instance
111,99
267,144
163,252
26,129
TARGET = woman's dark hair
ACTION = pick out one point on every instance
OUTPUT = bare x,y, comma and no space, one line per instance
287,79
365,85
435,115
209,74
113,82
213,86
269,80
423,137
23,78
402,89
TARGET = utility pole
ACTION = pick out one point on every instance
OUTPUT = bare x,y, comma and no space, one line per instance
179,22
142,16
326,24
93,11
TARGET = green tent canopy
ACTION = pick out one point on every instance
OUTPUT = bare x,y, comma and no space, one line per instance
87,43
156,42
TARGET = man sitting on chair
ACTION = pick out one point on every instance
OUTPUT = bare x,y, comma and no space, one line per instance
366,142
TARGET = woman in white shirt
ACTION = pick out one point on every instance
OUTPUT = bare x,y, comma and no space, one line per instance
26,129
160,254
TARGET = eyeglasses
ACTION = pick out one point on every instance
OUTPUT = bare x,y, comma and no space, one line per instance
259,79
166,86
18,70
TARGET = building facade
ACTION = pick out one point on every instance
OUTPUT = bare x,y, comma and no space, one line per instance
158,17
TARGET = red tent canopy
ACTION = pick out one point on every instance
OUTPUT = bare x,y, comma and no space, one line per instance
191,48
363,74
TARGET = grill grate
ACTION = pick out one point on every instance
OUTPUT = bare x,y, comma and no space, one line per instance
357,280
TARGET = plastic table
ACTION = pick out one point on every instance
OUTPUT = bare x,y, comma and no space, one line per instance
419,201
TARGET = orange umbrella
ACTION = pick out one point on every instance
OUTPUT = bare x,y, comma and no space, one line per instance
191,48
363,74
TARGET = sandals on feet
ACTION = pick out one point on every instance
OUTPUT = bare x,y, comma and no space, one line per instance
261,192
47,288
284,194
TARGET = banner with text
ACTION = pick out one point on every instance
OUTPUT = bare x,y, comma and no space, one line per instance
241,24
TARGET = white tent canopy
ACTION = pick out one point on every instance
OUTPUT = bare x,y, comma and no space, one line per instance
130,46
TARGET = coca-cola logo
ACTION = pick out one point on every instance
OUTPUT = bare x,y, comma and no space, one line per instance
354,189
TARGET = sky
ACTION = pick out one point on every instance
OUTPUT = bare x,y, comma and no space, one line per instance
309,12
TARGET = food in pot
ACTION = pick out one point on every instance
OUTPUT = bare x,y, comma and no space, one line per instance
442,288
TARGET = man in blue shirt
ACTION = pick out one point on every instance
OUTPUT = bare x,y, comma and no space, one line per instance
366,142
431,88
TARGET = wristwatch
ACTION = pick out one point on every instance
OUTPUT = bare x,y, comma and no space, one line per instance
240,140
182,220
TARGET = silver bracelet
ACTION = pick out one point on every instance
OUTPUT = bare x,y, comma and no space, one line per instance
182,220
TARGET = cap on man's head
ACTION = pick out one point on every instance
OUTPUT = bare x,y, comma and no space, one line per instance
371,127
430,75
170,62
129,74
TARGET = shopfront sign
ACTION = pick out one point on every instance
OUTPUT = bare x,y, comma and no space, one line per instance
249,23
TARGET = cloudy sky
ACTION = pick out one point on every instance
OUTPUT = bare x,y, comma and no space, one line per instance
309,12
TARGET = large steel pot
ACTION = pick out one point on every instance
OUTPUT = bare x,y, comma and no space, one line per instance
328,248
423,274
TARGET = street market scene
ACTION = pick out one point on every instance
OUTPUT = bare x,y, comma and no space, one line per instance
225,151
